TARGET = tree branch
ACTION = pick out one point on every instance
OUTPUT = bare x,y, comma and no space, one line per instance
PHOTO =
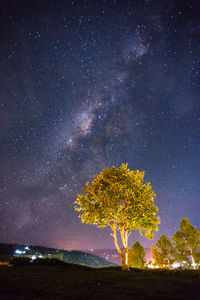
129,233
114,235
126,238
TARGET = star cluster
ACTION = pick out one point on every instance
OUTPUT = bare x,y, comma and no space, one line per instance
90,84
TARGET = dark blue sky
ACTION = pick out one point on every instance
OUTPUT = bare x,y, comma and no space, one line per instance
90,84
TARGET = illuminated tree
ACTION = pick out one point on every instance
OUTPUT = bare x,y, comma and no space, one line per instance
187,242
163,252
136,256
197,258
118,198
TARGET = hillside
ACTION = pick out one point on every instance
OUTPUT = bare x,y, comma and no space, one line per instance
70,256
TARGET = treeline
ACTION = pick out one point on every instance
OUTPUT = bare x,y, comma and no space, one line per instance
183,250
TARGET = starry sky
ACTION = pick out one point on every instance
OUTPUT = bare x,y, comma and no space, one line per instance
90,84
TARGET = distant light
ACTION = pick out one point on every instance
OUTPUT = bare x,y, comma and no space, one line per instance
18,251
33,257
27,248
150,266
176,265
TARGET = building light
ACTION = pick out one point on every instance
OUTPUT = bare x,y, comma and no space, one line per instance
18,251
176,265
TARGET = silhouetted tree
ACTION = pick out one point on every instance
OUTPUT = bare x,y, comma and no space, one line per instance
136,256
187,242
163,252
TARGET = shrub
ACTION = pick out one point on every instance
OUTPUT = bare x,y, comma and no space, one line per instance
48,261
19,261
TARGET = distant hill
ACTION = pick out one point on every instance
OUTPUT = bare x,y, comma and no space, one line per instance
71,256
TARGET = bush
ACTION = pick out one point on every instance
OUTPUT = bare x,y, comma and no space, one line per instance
48,261
20,261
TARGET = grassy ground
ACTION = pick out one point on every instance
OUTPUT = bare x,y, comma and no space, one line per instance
76,282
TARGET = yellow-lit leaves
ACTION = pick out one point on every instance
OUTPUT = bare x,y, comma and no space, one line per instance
119,196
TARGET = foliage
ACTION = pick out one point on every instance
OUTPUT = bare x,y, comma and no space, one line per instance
136,256
187,242
163,252
118,198
197,258
20,260
48,261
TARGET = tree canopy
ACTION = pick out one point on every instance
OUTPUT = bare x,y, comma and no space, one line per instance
118,198
163,252
136,256
187,242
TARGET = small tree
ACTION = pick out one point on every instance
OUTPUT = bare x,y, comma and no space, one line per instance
118,198
187,242
136,256
163,252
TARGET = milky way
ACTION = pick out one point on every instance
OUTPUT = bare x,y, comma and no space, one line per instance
90,84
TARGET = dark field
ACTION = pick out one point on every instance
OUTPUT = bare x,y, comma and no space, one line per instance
77,282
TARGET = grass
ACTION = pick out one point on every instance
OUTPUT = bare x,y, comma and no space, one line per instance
78,282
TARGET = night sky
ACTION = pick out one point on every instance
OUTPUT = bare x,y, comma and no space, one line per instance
90,84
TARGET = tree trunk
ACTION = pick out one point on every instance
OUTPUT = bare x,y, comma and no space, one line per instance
124,239
124,260
193,261
192,258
